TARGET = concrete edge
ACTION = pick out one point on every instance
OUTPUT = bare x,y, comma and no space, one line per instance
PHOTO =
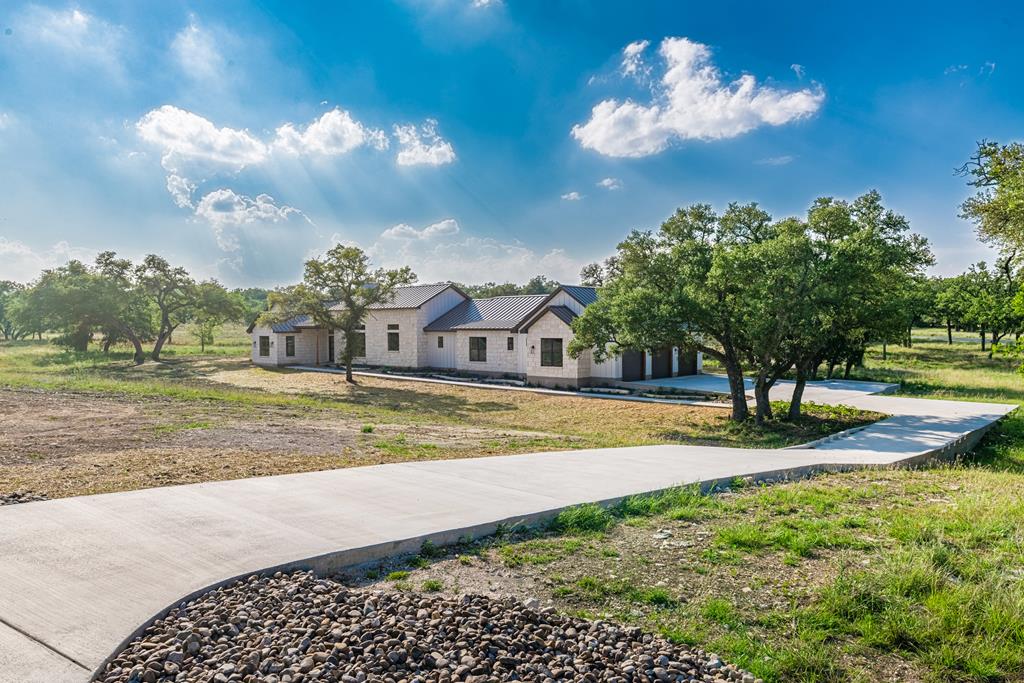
337,560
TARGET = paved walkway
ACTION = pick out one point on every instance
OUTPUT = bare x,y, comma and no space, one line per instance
79,576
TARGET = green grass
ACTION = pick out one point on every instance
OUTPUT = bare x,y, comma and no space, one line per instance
432,586
398,575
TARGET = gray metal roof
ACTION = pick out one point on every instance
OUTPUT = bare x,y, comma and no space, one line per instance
585,295
494,313
563,313
411,296
292,324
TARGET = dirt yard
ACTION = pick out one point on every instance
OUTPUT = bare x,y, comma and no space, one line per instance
62,443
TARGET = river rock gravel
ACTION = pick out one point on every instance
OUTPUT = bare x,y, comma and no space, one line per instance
297,627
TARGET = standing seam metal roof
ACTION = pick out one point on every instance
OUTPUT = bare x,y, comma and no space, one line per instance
410,296
493,313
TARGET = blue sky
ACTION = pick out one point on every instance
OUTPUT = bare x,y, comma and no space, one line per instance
477,140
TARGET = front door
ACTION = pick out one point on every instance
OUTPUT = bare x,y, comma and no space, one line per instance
330,347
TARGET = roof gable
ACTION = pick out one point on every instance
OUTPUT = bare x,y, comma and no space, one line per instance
410,296
492,313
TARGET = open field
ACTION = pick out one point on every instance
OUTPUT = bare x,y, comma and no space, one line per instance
73,424
879,575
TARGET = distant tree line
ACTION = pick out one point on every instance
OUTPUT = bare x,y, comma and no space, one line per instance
121,302
536,285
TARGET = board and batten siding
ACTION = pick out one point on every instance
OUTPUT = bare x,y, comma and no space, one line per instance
443,358
431,310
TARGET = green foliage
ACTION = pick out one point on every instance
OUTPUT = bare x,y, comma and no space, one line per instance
583,519
399,575
536,285
997,208
433,586
336,293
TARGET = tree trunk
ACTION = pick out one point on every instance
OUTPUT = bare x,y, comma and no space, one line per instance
80,338
910,337
737,390
831,369
949,331
846,370
106,345
348,353
798,393
982,338
885,351
763,404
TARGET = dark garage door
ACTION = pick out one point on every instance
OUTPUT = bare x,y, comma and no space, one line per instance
661,364
632,366
687,362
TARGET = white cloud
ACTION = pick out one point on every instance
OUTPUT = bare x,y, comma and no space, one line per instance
954,68
195,50
691,102
987,68
475,259
335,132
184,136
781,160
633,59
6,120
79,36
403,231
181,190
486,3
610,184
22,263
798,69
573,196
225,210
422,145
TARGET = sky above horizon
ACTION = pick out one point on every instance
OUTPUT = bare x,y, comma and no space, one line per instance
477,140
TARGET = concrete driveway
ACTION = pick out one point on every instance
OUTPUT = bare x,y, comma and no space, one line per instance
81,576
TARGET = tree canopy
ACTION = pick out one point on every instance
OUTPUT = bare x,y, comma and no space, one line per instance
336,293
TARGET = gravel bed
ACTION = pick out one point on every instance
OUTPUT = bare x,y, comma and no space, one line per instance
20,497
298,627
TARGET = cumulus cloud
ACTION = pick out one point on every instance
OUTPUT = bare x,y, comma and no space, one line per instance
195,50
403,231
422,145
610,183
187,137
691,102
22,263
226,211
633,59
335,132
77,35
181,190
573,196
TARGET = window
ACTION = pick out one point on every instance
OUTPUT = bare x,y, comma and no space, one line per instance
264,346
551,353
289,345
392,341
358,344
440,342
511,343
392,326
478,349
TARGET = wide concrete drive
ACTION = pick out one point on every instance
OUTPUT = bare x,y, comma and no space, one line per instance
78,576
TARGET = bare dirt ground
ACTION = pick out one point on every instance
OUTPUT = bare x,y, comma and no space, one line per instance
63,443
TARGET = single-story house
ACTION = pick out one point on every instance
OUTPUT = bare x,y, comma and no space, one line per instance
439,327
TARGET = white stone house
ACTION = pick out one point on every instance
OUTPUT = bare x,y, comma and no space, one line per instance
439,327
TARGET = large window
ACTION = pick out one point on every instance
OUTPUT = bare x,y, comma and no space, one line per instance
478,349
551,353
289,345
393,343
264,346
511,343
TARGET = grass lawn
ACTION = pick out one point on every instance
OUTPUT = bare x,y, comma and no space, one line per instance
876,575
91,423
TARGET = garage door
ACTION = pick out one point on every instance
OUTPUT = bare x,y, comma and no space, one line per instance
661,363
632,366
687,362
